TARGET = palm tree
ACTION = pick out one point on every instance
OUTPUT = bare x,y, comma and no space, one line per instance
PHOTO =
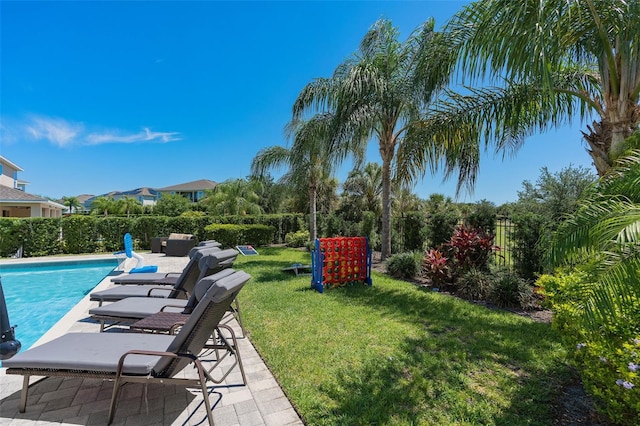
363,187
552,60
103,205
129,205
606,230
375,93
72,203
309,161
233,197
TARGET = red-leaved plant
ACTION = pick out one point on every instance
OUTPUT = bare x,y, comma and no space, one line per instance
471,248
435,266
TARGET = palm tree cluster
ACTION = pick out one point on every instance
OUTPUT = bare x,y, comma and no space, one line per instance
107,205
549,61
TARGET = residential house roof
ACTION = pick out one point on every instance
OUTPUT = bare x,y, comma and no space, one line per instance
15,195
10,163
10,195
196,185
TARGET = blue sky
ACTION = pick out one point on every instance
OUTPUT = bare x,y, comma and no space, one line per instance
102,96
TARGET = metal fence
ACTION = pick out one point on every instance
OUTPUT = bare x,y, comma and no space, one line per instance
504,240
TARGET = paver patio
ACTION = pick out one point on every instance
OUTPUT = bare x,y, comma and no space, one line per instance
78,401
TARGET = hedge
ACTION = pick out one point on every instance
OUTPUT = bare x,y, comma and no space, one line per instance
230,235
93,234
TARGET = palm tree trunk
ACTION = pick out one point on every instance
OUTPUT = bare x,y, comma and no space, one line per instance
312,213
386,204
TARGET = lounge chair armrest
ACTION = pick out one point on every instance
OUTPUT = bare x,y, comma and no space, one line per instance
171,306
168,290
192,357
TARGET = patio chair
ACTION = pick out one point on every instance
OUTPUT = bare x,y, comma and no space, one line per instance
134,357
173,245
142,304
164,278
132,309
216,261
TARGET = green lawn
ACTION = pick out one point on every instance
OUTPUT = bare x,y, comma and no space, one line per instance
396,354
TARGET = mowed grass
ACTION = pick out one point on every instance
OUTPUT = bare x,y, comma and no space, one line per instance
393,354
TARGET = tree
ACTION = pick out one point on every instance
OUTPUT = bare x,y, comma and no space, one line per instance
555,196
171,205
233,197
363,188
72,203
129,205
103,205
551,61
375,93
270,193
309,161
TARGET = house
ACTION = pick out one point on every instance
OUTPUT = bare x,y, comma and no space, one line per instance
146,196
16,202
194,191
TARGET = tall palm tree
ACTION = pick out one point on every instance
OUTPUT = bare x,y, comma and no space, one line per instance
376,93
308,162
551,61
606,230
72,203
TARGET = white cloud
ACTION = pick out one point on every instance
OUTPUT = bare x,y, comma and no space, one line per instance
56,130
144,136
63,133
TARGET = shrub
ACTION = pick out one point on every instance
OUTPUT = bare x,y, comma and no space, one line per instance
403,265
297,239
528,248
111,230
230,235
40,236
80,234
409,232
607,356
474,284
435,266
9,236
368,226
483,217
441,225
508,290
471,248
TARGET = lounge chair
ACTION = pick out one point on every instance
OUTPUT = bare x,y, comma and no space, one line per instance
210,261
165,278
134,357
132,309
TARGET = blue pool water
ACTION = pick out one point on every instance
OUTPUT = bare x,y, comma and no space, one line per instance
39,294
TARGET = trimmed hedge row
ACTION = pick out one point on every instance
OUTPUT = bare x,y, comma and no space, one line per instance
230,235
77,234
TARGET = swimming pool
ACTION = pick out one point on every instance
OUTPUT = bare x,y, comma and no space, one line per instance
39,294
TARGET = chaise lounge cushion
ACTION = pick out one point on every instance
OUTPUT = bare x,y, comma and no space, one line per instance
93,352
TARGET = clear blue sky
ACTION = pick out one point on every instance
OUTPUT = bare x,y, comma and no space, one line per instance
102,96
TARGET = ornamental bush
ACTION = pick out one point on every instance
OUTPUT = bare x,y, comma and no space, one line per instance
608,356
508,290
403,265
297,239
474,284
230,235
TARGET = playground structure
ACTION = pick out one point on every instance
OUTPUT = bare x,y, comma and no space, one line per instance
340,261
